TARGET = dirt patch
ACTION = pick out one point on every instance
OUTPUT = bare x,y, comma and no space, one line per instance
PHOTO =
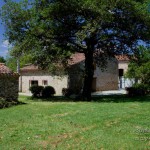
88,128
111,123
54,141
60,115
44,144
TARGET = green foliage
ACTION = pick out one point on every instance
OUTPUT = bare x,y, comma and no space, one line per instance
142,86
53,30
2,59
138,89
42,92
4,103
48,92
36,91
11,61
67,92
139,67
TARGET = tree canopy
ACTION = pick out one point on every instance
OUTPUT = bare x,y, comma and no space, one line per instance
16,58
139,67
2,59
54,29
11,61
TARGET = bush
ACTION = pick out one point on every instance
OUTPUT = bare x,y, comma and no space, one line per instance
4,103
142,86
66,92
48,91
36,90
138,90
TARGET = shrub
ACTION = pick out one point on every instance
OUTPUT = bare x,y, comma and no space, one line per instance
36,90
48,91
66,92
142,86
132,91
138,90
4,103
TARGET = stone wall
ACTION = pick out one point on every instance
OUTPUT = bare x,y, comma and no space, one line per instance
102,80
107,79
9,86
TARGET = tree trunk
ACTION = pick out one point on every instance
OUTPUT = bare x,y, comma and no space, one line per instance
89,72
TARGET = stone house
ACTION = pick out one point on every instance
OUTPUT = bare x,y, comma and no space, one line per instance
110,79
32,75
102,80
9,83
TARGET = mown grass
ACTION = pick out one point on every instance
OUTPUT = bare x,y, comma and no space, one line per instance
106,123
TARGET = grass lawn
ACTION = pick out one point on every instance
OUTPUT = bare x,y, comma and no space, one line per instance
107,123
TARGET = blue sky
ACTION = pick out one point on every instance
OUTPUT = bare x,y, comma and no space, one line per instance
4,44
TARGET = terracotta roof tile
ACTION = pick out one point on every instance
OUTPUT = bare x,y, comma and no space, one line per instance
29,67
78,57
6,72
5,69
74,59
122,57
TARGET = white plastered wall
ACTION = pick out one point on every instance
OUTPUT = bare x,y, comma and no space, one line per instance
55,81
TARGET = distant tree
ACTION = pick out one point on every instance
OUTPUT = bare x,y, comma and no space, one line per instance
13,58
53,29
139,66
2,59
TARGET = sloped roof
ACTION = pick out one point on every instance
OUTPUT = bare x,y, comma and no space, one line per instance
74,59
78,57
122,57
29,67
5,69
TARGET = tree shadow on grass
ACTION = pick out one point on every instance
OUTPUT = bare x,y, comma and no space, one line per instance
11,104
99,99
120,98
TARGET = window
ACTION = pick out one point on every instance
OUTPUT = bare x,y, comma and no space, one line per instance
33,82
44,82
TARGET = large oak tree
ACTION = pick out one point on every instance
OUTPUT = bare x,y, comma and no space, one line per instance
53,29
